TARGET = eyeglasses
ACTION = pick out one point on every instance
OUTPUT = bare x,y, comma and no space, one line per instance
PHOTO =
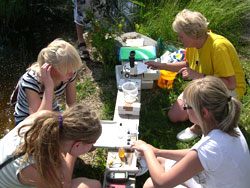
186,107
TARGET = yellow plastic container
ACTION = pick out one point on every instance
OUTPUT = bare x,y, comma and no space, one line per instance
121,152
166,79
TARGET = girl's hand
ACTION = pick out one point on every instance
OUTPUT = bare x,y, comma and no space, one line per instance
140,146
46,76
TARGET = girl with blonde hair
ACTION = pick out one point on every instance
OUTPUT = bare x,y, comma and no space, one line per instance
220,159
47,79
44,148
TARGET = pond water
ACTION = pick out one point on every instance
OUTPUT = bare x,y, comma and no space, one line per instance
11,70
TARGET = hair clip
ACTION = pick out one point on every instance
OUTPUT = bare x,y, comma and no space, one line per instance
229,98
60,121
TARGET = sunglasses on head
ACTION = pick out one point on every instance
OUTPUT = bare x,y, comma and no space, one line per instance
186,107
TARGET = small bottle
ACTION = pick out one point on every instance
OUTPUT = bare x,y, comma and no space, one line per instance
121,152
120,131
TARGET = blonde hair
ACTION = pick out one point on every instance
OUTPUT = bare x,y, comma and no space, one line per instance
211,93
42,141
193,24
59,54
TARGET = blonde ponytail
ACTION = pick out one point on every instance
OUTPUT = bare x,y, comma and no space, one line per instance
211,93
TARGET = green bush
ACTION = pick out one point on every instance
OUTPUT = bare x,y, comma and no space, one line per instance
103,40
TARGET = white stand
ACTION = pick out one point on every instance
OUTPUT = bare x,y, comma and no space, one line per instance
123,130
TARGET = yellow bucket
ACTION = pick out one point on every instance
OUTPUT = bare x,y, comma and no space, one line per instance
166,79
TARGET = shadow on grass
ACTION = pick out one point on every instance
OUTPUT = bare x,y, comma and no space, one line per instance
87,170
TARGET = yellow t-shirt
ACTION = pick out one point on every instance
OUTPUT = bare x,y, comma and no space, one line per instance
219,58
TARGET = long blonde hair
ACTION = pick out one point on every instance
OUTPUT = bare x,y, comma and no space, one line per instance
192,23
42,141
59,54
211,93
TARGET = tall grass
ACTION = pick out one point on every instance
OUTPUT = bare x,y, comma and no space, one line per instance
157,20
226,17
245,116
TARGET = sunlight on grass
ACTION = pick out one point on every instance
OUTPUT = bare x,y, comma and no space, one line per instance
85,88
225,17
109,100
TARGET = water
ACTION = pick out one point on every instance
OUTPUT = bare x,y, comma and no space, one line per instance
15,57
11,70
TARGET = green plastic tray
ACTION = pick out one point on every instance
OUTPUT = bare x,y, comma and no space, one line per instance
141,53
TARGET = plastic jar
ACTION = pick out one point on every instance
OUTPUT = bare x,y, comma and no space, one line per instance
130,91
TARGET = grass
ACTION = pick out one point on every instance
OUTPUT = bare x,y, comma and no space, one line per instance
85,88
109,105
225,17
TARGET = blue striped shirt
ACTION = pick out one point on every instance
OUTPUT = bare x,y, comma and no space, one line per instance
30,80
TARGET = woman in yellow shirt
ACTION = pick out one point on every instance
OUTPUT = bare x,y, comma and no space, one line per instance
206,54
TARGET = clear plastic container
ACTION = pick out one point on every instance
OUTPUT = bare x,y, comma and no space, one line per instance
130,91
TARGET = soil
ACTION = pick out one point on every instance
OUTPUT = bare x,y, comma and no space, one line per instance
94,101
92,70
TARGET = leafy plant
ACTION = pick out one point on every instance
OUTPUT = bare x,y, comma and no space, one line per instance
103,40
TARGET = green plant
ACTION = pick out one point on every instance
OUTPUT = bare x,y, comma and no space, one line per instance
104,44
